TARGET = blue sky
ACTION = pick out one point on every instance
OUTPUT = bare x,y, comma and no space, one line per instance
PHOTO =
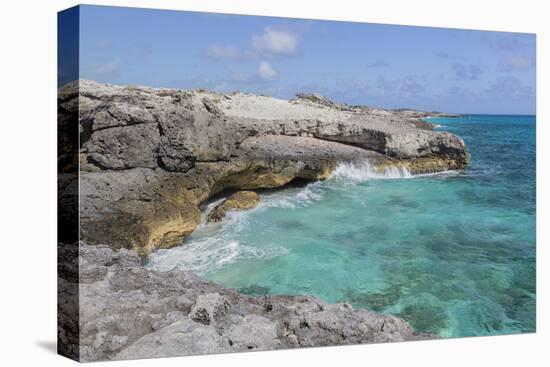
357,63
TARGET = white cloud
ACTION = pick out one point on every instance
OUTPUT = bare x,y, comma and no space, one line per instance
222,52
266,71
276,42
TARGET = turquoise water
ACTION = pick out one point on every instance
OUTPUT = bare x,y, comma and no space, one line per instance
453,254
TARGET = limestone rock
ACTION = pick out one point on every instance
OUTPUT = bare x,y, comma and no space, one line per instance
206,126
241,200
313,98
253,332
149,157
208,308
182,336
128,311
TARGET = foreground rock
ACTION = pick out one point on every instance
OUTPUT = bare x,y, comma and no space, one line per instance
241,200
150,157
130,312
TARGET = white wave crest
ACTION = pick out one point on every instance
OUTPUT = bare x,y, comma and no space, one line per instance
207,254
292,198
206,211
364,171
198,256
212,246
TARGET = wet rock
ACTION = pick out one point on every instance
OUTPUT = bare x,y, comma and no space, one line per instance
239,201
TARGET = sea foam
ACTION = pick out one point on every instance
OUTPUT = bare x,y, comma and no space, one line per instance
292,198
212,246
363,171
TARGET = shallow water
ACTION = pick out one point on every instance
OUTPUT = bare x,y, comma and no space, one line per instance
453,254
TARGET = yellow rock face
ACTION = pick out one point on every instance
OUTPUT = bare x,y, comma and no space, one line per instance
263,175
170,210
320,174
169,225
241,200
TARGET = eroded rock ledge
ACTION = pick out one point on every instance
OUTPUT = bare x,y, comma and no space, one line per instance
130,312
149,157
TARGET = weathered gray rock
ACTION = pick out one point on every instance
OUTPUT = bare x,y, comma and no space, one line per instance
253,332
315,98
149,157
208,308
124,147
182,336
127,311
203,126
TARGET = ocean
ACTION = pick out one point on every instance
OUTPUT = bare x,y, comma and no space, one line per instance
452,253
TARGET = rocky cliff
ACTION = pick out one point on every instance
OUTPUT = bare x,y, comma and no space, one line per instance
149,157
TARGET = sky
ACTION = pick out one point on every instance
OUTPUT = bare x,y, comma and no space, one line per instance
392,66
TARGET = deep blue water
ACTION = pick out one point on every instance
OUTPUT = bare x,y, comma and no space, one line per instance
453,254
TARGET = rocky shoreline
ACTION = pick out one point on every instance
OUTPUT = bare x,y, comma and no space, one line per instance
128,312
148,158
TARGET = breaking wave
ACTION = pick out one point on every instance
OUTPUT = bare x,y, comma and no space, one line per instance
214,245
292,197
364,171
211,246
